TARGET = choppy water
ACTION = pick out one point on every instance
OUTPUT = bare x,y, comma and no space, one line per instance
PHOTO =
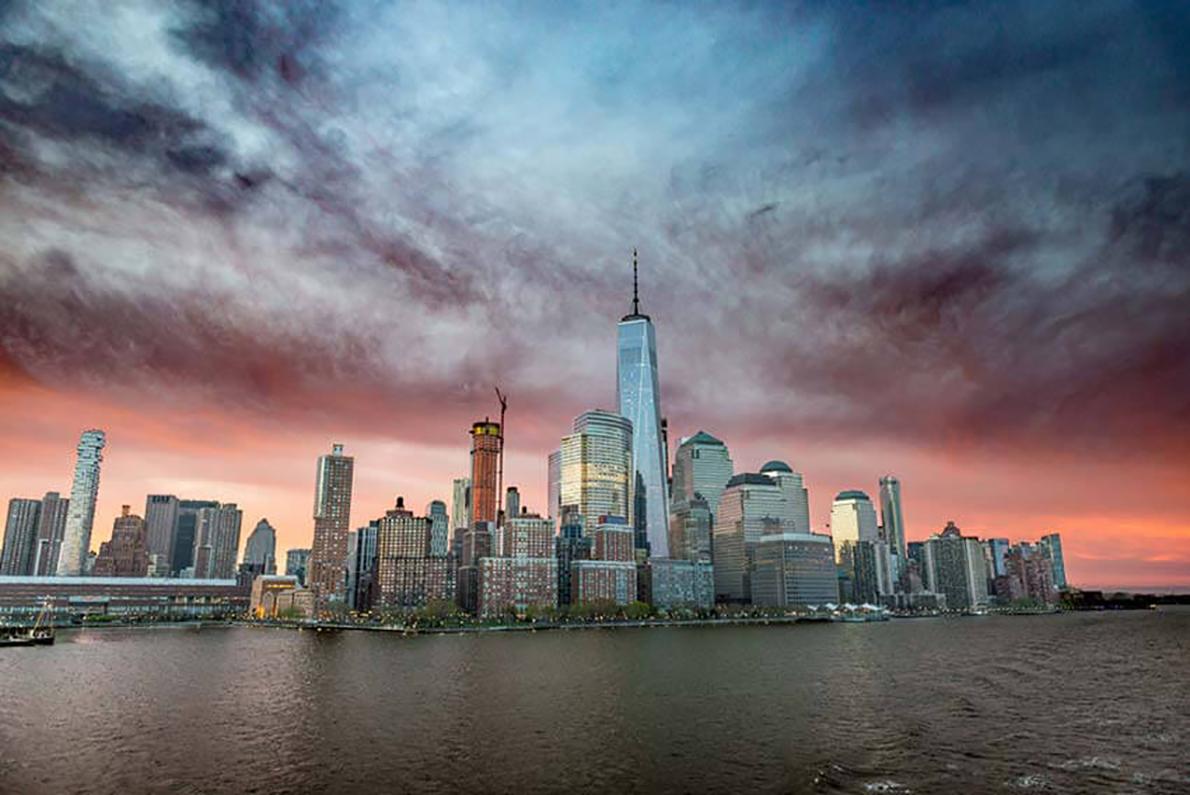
1071,703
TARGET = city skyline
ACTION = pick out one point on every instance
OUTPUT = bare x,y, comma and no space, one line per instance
233,236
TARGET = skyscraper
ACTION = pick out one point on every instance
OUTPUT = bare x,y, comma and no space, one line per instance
702,466
260,550
161,519
852,519
794,570
955,567
485,464
332,520
554,488
217,541
512,503
181,556
752,505
20,536
439,528
460,504
297,563
690,524
1051,547
595,477
638,395
406,574
793,486
76,540
127,553
51,526
891,515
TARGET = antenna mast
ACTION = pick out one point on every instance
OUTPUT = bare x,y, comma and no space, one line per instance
635,290
500,396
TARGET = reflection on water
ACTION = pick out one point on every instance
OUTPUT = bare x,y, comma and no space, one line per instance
1071,703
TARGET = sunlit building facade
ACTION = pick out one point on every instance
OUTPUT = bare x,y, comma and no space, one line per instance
595,468
127,553
702,467
161,520
752,505
793,486
485,468
80,516
217,541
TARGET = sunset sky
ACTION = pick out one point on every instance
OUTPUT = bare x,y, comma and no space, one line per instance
945,241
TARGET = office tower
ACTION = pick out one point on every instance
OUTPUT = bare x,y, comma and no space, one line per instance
1051,547
859,572
997,547
794,570
891,515
852,519
570,545
554,488
702,467
525,578
76,540
359,590
181,558
260,550
161,520
677,583
217,542
485,464
595,473
327,575
406,575
956,569
793,486
297,562
460,504
690,524
1028,575
20,536
512,502
51,526
439,528
638,397
127,553
752,505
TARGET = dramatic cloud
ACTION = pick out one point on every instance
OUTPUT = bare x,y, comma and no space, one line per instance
926,227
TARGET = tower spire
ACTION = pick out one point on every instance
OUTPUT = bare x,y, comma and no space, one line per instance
635,288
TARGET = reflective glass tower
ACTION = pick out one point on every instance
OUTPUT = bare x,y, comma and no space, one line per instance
638,395
76,539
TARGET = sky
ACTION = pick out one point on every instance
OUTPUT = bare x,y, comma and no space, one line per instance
949,241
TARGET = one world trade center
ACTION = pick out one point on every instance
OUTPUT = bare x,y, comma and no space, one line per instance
639,399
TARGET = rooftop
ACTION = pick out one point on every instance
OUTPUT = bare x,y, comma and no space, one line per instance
852,494
776,466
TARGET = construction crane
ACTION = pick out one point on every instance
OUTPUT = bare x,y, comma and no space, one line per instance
500,396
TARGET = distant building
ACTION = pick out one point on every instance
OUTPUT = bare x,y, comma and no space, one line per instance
554,488
526,577
638,399
296,563
127,553
359,591
217,541
20,536
793,487
752,505
955,569
486,441
690,523
611,573
162,598
569,546
595,474
80,516
460,504
1051,546
794,570
276,596
853,520
51,526
1028,575
260,550
161,521
439,528
702,467
892,516
185,533
512,502
681,583
997,547
859,576
332,521
405,574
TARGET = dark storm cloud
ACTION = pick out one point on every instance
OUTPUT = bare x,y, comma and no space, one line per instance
920,221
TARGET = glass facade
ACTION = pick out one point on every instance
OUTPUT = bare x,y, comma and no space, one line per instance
890,514
595,469
702,466
80,516
639,398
